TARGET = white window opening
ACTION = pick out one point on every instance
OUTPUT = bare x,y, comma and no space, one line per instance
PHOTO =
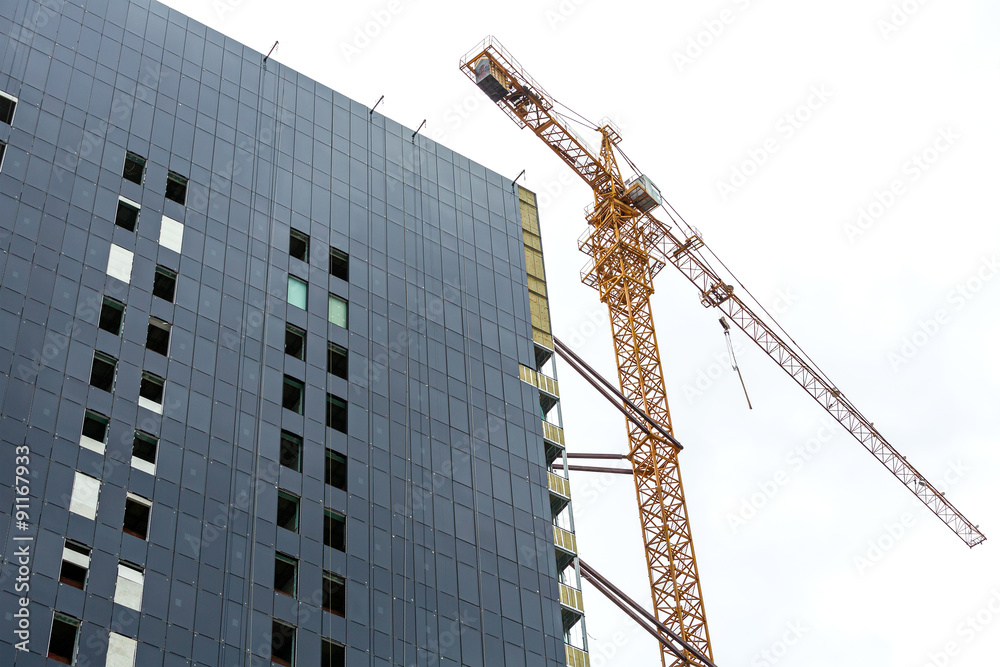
128,590
171,234
121,651
83,499
120,263
75,564
95,432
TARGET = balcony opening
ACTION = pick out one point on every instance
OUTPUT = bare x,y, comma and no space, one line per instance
295,342
127,214
134,167
102,372
298,245
288,512
164,283
336,360
63,638
338,264
176,187
290,452
112,314
336,470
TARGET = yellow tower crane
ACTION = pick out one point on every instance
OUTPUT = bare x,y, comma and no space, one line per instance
628,246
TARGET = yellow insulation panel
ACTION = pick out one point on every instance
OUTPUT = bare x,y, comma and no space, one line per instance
535,268
576,658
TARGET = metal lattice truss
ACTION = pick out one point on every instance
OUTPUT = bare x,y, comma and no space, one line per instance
714,292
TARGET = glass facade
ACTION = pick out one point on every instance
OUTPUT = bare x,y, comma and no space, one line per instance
153,165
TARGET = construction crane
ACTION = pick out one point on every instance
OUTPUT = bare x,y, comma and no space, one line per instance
628,246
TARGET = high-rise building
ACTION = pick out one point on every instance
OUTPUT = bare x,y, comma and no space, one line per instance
275,373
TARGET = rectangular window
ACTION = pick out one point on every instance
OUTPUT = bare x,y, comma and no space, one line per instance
282,643
3,149
144,448
290,454
336,360
164,283
112,314
75,564
151,392
334,598
298,245
134,167
128,589
176,187
298,292
288,511
95,431
338,263
332,654
292,394
127,215
121,651
120,263
336,470
338,311
171,234
295,342
158,336
285,574
83,498
136,521
63,638
102,372
335,530
336,413
7,105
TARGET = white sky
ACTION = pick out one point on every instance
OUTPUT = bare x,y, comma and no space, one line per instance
850,300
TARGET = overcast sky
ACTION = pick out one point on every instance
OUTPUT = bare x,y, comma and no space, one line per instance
841,158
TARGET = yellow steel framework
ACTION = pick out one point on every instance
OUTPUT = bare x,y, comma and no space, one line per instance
628,247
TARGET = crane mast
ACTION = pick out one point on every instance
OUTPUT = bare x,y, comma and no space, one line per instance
620,248
627,247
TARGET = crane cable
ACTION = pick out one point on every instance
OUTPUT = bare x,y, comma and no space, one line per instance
732,359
